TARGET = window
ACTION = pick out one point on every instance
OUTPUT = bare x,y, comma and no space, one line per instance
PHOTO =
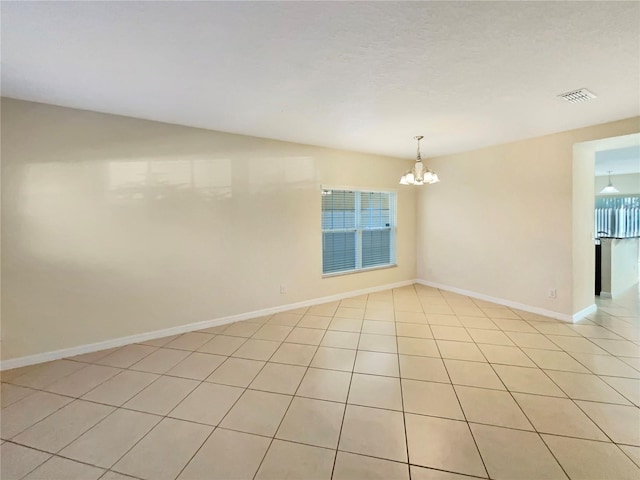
358,230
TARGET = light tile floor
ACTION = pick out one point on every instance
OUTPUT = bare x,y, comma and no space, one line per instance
411,383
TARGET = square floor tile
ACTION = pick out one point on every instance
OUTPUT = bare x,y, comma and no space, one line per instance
17,461
592,460
559,416
375,391
506,355
423,368
189,341
411,317
430,443
492,407
473,374
378,343
491,337
314,422
532,340
295,461
576,344
64,426
287,319
345,325
358,467
527,380
208,403
606,365
255,349
628,387
477,322
422,473
554,360
515,454
418,346
257,412
340,339
222,345
57,467
294,354
315,321
80,382
622,348
160,361
380,314
450,333
12,393
334,359
24,413
443,320
105,443
430,398
164,452
126,356
227,455
276,333
513,325
242,329
120,388
374,432
582,386
460,351
632,452
621,423
346,312
376,363
162,395
325,385
325,309
306,336
279,378
197,366
413,330
238,372
46,374
379,327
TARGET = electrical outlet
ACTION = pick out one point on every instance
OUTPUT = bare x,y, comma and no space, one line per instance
552,293
283,289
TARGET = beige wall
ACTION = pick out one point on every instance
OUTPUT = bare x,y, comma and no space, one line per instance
501,222
627,184
113,226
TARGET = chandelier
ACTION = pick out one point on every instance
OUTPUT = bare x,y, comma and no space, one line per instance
419,174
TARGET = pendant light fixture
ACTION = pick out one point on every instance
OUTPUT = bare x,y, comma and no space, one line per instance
609,189
419,174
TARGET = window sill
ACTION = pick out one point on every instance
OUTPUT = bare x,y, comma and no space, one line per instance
361,270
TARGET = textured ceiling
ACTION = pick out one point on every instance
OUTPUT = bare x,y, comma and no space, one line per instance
363,76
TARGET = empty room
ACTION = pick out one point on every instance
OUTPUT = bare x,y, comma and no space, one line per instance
320,240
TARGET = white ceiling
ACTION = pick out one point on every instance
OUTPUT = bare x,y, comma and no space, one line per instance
364,76
618,161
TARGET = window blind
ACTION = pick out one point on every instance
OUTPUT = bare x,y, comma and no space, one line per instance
358,230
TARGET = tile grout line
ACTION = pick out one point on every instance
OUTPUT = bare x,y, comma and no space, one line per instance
464,415
404,415
317,346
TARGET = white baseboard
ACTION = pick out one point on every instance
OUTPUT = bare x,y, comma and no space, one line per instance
190,327
584,312
605,295
501,301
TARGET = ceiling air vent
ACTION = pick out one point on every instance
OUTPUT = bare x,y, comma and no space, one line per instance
577,96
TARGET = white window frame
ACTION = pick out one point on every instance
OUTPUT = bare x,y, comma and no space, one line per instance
393,255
